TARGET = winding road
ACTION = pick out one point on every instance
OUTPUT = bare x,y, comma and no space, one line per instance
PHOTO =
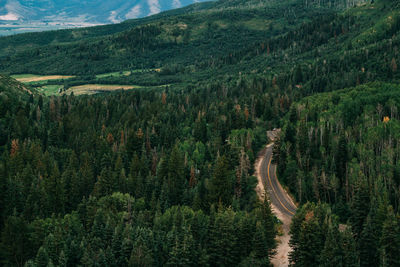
278,197
282,205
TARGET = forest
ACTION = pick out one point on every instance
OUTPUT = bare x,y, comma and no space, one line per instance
342,149
164,174
135,177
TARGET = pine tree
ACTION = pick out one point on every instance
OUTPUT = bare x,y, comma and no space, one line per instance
176,177
134,178
100,259
50,245
86,174
371,235
308,231
126,246
269,225
261,246
221,189
105,184
55,192
349,247
332,254
116,246
76,192
341,159
182,250
390,240
42,258
223,240
3,188
62,259
15,245
298,77
141,254
360,208
110,258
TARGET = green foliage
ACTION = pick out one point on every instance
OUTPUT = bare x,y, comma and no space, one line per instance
93,180
347,132
221,188
318,240
163,175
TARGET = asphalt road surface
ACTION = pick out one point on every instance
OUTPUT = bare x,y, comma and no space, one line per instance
278,197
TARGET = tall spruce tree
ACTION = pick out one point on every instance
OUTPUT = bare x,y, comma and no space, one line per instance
221,188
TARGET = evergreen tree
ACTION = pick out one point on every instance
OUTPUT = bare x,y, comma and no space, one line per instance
261,244
333,253
349,248
3,188
182,250
360,208
370,252
268,225
62,260
176,176
390,240
42,259
15,245
221,189
105,184
223,240
141,254
341,159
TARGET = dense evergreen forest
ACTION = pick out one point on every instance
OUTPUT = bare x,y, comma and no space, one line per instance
164,176
142,178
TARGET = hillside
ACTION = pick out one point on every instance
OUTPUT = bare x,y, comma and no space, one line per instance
291,41
12,88
138,145
156,42
342,149
13,98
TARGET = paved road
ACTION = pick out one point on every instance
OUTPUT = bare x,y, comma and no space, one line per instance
278,197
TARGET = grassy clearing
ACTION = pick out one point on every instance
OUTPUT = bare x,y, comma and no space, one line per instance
49,90
28,78
123,73
22,76
89,89
114,74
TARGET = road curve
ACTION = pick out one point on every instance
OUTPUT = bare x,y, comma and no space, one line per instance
277,195
281,203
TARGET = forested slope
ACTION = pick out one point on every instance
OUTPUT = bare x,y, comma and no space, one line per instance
163,176
342,149
180,160
199,40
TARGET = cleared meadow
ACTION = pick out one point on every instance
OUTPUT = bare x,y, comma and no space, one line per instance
28,78
89,89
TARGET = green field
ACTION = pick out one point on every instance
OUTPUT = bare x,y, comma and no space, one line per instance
45,84
89,89
32,78
49,90
114,74
23,76
124,73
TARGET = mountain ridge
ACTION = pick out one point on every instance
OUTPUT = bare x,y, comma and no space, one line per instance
18,16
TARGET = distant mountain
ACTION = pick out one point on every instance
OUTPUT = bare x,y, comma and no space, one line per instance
60,13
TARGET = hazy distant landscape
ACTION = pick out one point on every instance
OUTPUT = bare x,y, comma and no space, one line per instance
7,28
19,16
